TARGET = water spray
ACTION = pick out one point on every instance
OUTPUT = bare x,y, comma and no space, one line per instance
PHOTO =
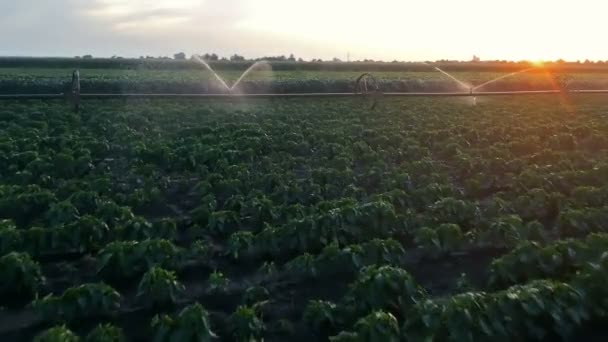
247,72
473,98
228,88
461,83
221,80
501,77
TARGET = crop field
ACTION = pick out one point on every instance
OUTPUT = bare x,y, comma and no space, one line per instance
298,220
196,80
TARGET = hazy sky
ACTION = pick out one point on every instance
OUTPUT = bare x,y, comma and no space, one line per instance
379,29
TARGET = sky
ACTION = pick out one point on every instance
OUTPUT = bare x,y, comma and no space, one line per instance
377,29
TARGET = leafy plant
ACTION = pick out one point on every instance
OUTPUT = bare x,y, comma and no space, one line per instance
463,284
561,259
302,264
522,312
383,288
21,276
239,242
105,333
268,268
62,213
200,250
57,334
223,222
320,316
255,294
11,238
159,287
445,238
218,282
191,324
128,259
85,300
377,326
139,228
246,325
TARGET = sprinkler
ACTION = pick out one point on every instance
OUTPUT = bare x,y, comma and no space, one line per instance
74,94
473,98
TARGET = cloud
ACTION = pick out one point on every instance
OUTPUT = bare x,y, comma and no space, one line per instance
130,28
402,29
140,15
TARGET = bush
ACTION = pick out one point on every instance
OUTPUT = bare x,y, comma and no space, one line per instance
57,334
87,300
246,325
192,324
21,276
378,326
218,282
159,287
127,259
105,333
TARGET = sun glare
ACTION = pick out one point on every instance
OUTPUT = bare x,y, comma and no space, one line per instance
538,63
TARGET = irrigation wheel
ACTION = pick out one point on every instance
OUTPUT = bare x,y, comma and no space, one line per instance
367,86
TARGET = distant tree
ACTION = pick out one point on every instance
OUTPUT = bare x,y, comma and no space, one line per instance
291,58
179,55
87,56
224,59
300,60
281,58
236,58
210,57
336,59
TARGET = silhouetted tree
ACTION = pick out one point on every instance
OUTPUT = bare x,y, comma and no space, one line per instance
210,57
236,58
180,56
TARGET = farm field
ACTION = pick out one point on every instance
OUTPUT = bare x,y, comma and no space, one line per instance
299,220
115,80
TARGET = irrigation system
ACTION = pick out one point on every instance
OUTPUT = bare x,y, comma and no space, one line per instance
365,85
293,95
